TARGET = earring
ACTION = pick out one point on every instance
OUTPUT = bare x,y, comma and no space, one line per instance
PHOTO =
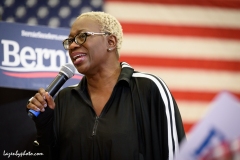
109,49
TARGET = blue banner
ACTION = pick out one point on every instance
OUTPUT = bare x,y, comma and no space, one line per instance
31,56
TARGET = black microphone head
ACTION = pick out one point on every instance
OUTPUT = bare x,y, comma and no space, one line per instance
68,69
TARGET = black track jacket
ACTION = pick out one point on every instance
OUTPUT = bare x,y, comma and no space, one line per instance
140,121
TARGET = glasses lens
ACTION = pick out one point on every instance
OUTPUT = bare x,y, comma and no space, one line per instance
80,39
67,43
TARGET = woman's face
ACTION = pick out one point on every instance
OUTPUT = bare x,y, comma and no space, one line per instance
90,56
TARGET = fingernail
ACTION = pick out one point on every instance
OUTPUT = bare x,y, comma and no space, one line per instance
46,93
38,109
45,105
43,109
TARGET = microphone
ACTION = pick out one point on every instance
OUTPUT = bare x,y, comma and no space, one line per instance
66,72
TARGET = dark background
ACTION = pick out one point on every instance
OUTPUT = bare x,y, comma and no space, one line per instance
17,129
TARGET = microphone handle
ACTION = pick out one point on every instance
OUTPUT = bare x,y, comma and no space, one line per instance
52,89
56,84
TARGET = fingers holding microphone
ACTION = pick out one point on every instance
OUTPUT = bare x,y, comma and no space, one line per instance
50,101
43,99
40,101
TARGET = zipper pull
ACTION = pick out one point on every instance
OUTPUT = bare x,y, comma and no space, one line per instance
95,126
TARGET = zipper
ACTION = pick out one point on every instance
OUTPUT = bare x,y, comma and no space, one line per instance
95,126
97,117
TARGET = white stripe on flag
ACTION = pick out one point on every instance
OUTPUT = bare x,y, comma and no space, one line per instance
195,79
192,111
173,14
185,47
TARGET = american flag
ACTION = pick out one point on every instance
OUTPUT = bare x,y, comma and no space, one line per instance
193,45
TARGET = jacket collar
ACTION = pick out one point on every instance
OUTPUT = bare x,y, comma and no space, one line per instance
126,72
125,75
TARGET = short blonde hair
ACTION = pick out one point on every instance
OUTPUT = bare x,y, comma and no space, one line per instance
108,23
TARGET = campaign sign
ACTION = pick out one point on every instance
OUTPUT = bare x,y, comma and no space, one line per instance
31,56
219,127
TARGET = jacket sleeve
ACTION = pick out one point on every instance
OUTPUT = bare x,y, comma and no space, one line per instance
179,124
158,119
169,117
44,126
45,133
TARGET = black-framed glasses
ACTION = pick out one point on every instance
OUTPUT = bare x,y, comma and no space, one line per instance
80,38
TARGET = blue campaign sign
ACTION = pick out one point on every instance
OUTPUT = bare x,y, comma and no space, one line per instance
31,56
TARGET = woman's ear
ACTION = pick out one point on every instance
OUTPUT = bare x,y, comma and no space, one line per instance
112,42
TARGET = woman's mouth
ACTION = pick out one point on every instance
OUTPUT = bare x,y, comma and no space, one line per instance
78,58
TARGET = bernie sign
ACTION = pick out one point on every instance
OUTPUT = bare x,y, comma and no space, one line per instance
31,56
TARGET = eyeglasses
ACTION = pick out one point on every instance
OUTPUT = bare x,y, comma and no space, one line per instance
80,38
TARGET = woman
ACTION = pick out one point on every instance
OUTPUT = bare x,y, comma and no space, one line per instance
114,112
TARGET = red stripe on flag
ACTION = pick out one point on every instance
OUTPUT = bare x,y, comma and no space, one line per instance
197,95
204,3
187,126
209,64
141,28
